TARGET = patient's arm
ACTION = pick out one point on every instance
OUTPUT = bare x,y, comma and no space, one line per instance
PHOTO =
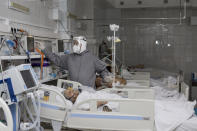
101,103
105,108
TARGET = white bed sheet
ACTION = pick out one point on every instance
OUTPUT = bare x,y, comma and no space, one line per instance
85,95
188,125
171,114
172,110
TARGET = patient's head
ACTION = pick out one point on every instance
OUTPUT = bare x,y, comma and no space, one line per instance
71,94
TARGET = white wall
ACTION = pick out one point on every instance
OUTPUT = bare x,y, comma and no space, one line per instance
38,14
83,9
37,21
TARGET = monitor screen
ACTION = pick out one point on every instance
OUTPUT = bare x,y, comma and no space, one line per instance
28,78
60,46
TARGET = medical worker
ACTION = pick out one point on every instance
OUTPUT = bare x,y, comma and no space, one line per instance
81,64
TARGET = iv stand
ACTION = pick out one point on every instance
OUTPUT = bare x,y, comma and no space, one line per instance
114,28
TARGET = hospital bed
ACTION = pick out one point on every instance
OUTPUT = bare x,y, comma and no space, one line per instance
135,113
8,116
141,79
131,115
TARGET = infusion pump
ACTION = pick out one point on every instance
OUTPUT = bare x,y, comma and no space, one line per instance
16,82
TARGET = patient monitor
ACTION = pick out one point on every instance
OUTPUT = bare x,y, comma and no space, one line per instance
17,81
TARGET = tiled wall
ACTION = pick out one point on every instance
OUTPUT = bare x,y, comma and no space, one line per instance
176,46
139,37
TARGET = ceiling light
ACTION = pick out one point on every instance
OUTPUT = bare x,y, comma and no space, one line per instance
139,2
121,2
165,1
157,42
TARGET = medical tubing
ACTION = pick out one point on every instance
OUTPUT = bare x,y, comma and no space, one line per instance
29,112
2,73
2,42
19,115
39,105
37,110
1,63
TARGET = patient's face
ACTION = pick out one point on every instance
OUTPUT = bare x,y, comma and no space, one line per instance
71,94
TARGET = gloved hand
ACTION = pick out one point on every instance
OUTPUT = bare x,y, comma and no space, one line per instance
108,78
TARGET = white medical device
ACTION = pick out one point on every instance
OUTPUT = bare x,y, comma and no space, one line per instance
17,81
18,84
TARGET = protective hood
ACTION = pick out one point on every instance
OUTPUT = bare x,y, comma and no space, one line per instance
81,46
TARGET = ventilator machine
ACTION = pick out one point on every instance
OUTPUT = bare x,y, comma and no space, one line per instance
18,87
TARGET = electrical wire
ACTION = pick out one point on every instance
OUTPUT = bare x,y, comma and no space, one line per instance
13,30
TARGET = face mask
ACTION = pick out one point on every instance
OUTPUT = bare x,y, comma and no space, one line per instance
76,49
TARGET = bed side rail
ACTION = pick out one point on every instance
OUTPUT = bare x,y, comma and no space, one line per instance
185,90
142,83
134,93
133,115
140,75
55,108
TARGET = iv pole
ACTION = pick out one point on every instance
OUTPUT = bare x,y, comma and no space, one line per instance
114,28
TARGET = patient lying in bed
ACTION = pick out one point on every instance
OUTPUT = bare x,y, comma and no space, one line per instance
76,96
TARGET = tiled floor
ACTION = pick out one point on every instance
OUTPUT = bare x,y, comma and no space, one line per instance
48,127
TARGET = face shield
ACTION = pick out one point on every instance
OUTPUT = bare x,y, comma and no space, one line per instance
76,46
79,44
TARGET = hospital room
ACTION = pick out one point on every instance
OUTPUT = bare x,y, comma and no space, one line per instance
98,65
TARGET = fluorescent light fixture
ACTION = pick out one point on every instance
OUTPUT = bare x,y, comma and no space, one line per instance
18,7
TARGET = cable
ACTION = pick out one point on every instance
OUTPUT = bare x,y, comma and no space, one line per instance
26,52
14,30
28,126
